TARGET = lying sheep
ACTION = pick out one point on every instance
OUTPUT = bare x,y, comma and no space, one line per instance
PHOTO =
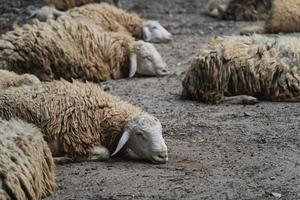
11,79
76,48
284,17
68,4
85,123
250,10
112,19
26,164
262,67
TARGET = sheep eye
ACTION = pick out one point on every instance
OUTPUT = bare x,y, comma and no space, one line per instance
139,134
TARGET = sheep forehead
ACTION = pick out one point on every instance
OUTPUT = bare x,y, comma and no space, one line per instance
150,124
152,23
148,49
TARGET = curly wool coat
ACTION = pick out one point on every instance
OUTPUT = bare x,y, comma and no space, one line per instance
26,164
284,17
110,18
67,4
67,48
74,117
263,67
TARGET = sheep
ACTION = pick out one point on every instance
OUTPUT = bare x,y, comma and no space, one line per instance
82,122
250,10
284,17
11,79
259,67
110,18
26,164
73,48
68,4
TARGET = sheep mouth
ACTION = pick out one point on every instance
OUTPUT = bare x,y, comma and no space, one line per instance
159,159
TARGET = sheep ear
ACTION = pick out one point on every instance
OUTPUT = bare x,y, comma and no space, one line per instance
122,142
147,34
133,65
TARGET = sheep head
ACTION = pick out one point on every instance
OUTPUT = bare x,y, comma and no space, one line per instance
45,13
30,79
143,135
147,61
154,32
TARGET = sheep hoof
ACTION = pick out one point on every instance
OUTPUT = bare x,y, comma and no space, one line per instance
252,29
62,160
99,153
241,99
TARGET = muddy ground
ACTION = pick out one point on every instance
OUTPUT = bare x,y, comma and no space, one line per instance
215,152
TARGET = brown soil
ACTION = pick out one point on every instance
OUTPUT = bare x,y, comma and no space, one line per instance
215,152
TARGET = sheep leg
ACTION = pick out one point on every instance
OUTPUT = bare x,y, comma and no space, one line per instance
99,153
241,99
62,160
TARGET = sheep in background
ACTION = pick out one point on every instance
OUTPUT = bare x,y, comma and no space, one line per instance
77,48
83,122
261,67
11,79
284,17
110,18
250,10
26,164
68,4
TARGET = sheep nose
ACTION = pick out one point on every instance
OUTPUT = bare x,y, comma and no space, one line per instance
161,157
163,72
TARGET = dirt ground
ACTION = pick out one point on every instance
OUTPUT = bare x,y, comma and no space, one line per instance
215,152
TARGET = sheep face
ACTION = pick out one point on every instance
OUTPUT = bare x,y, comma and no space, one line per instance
46,13
31,80
154,32
144,137
149,61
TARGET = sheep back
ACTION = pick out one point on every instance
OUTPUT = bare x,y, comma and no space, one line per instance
68,4
26,164
111,18
67,48
263,67
284,17
73,117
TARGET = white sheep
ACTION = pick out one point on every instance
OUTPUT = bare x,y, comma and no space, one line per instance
77,48
255,67
68,4
110,18
81,121
26,164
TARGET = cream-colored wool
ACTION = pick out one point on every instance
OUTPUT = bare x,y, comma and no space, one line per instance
74,117
111,18
263,67
68,4
11,79
67,48
284,17
250,10
26,164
